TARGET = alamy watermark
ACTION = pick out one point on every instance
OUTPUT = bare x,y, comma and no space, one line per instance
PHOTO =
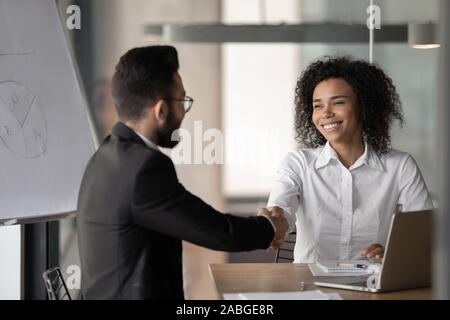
74,19
234,146
374,19
73,281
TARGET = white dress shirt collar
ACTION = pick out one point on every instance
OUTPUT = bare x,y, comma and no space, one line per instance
149,143
369,158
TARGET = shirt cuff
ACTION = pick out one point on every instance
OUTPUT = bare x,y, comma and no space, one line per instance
271,222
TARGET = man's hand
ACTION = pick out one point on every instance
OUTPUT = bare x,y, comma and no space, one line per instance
375,250
280,222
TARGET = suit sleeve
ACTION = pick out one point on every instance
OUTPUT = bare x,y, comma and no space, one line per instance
162,204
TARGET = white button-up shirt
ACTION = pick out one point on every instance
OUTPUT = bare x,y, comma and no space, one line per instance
337,211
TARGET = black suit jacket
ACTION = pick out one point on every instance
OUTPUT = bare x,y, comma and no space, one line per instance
133,214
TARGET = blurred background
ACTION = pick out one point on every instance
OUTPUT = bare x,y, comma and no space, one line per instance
246,90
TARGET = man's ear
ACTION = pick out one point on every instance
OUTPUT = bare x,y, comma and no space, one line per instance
161,110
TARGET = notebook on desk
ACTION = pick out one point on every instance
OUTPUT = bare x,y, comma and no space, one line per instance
343,266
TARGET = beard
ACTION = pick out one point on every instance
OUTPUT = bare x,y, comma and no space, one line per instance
168,135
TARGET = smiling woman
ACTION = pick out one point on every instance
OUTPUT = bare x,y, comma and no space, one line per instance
365,86
341,190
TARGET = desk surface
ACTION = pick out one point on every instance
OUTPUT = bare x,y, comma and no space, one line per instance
273,277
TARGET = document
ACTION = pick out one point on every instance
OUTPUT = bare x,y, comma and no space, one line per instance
318,270
332,266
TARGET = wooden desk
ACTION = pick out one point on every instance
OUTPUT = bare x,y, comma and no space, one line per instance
272,277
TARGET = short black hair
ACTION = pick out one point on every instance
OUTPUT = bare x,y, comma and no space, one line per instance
142,76
378,100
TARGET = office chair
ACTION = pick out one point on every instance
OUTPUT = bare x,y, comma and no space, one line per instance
285,254
55,285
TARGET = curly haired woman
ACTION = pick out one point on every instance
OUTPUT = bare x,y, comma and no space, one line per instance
342,189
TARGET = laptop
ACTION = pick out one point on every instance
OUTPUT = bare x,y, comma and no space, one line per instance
407,257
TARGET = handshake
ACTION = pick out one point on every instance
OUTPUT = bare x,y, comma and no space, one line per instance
280,223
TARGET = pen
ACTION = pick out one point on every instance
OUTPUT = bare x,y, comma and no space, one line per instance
358,265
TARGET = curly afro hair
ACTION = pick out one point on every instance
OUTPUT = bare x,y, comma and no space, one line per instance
378,100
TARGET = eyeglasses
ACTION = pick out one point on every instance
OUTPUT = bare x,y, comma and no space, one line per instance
187,102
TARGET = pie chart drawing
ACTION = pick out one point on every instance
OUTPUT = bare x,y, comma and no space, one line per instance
23,127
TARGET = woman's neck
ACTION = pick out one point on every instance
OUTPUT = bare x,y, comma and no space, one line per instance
349,152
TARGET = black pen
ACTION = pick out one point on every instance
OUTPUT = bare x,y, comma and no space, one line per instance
358,265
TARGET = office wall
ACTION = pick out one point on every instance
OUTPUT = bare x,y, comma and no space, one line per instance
258,95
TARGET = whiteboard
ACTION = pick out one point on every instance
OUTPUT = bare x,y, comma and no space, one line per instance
46,138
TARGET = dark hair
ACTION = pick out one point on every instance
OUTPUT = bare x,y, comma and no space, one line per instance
142,76
377,97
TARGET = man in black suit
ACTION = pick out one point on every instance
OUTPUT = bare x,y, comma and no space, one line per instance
133,211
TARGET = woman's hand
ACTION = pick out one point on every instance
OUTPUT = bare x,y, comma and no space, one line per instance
375,250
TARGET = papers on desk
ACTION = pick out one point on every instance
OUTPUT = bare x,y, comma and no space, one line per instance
331,269
294,295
